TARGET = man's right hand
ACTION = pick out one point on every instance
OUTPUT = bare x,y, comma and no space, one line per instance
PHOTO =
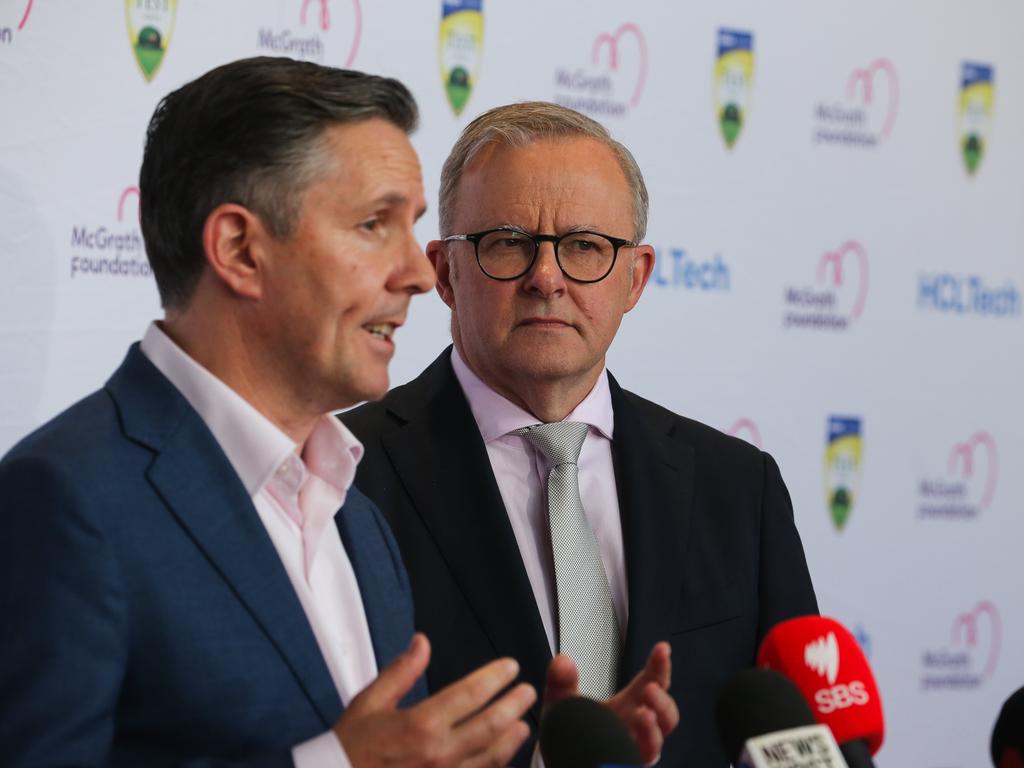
452,727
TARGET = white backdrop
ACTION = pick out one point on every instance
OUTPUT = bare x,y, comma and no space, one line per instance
836,262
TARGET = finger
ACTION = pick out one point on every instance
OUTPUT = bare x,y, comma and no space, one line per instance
396,678
664,708
503,749
658,670
648,736
478,733
562,680
659,665
464,697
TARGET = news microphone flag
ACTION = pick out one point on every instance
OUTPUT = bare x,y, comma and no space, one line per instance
764,722
829,668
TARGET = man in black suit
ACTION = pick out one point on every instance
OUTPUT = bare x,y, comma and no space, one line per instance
542,215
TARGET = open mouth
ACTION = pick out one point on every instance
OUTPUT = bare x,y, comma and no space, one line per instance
381,330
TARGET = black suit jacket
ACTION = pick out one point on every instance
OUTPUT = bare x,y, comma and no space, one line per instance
713,559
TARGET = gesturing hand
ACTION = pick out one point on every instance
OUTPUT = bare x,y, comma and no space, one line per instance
454,727
644,704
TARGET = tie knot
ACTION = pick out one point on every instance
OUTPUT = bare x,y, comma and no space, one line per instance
559,441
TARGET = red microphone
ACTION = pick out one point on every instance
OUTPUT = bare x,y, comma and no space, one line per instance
828,666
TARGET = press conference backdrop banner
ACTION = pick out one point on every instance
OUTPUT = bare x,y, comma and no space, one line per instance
837,194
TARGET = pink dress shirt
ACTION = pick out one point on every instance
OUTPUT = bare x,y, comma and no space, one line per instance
521,472
275,475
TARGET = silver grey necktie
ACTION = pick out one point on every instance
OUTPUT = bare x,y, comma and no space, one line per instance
587,628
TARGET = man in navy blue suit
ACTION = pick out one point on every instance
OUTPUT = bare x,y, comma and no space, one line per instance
187,576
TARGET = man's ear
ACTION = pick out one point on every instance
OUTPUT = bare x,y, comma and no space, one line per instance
234,240
643,267
437,252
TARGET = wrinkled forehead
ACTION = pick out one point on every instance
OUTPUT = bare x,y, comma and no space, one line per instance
577,175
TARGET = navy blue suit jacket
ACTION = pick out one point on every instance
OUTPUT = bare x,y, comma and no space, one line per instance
713,559
146,616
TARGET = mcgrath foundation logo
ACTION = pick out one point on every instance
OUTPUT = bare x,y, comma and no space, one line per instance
837,297
866,114
968,484
325,31
746,429
733,81
150,24
974,117
967,295
612,80
675,268
844,451
971,655
113,248
460,49
13,21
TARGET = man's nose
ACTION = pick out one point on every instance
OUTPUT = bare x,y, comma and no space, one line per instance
545,276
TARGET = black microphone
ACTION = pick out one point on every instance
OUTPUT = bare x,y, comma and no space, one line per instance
582,733
1008,735
763,719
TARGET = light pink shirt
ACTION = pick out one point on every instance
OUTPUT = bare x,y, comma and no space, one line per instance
317,564
521,472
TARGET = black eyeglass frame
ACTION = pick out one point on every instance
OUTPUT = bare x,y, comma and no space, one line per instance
476,237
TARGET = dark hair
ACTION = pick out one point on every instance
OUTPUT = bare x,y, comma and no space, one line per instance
249,132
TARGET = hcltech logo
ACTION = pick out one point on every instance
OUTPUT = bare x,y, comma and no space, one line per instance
460,45
674,268
967,295
18,16
968,485
613,81
844,450
734,81
867,113
977,102
116,249
746,429
150,24
324,31
972,654
838,296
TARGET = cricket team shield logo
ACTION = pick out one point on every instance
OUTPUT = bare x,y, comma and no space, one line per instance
843,458
734,81
977,99
461,40
150,24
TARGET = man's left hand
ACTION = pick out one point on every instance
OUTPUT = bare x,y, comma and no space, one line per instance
644,705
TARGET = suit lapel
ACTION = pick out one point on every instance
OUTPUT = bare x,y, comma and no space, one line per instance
654,475
201,489
442,461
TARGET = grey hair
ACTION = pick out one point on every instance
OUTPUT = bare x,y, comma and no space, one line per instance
517,125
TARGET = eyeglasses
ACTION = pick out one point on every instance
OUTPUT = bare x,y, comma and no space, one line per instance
508,254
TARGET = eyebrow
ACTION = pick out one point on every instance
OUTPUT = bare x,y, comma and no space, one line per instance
394,199
573,228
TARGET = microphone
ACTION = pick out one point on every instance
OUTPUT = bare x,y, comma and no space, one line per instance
828,667
1008,735
764,722
578,732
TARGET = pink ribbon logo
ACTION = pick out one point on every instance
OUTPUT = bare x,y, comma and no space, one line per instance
836,260
962,461
127,193
746,429
325,23
966,632
611,43
865,80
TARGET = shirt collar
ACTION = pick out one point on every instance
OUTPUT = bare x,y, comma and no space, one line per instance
497,416
253,444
